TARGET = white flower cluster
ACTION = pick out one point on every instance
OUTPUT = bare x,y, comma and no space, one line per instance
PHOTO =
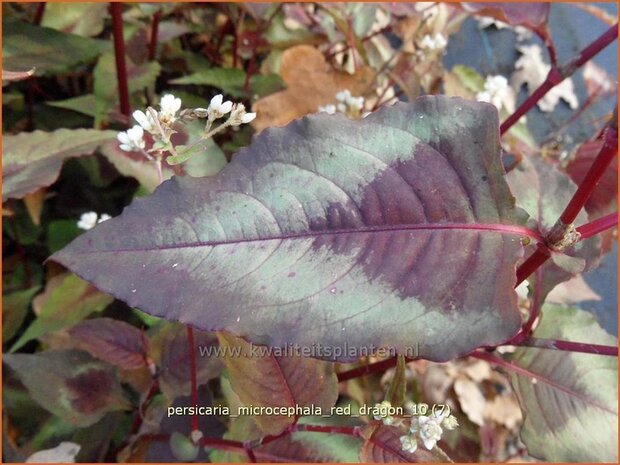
89,220
495,91
436,42
347,104
160,123
427,429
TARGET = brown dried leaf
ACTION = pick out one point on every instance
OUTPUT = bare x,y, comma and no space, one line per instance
504,410
311,83
34,204
471,399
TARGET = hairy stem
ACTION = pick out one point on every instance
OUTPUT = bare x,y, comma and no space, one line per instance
116,9
598,226
558,74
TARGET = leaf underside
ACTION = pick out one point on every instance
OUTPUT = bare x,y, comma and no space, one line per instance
571,412
346,234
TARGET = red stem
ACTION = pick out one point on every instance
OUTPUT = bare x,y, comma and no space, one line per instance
558,74
116,9
39,13
584,191
533,262
526,330
191,347
598,226
154,32
570,346
586,187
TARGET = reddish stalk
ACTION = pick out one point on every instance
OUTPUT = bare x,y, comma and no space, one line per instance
116,9
584,191
570,346
533,262
191,347
598,226
558,74
586,187
154,32
39,13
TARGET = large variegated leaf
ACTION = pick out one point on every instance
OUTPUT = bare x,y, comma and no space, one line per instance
397,230
571,400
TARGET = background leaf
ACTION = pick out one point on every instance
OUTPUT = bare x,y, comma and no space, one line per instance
171,353
70,384
571,404
25,46
113,341
67,300
277,382
31,160
330,232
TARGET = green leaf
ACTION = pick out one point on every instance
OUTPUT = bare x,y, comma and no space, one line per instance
67,300
570,400
183,448
50,52
139,77
184,153
70,384
398,386
83,19
60,233
232,80
397,230
263,379
14,309
84,104
31,160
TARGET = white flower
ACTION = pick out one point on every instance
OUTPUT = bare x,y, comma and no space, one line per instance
170,105
329,109
145,120
87,221
496,91
382,410
132,140
248,118
450,422
63,452
356,103
217,108
239,116
408,444
429,430
437,42
343,96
